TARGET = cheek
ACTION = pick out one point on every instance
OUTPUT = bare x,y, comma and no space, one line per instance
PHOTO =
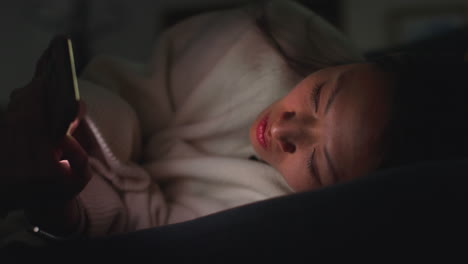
297,97
295,173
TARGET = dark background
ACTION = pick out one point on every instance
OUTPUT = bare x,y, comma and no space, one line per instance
129,28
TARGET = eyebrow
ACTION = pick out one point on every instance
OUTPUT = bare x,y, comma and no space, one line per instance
331,166
336,89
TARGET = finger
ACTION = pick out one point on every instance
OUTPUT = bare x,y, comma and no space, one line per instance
73,126
74,162
60,177
74,153
81,113
81,109
85,136
72,150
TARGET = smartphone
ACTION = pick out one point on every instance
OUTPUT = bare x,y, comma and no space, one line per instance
56,68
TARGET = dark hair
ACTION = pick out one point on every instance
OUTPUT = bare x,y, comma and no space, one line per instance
429,118
294,31
301,66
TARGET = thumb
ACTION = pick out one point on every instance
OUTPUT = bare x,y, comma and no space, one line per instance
79,117
74,161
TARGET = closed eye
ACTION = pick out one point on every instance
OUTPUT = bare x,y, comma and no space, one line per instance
312,167
315,95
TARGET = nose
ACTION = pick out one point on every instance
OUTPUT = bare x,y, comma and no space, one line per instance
289,131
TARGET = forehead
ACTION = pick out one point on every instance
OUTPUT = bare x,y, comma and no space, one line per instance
357,119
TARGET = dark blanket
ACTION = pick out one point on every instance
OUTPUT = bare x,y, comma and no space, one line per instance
416,211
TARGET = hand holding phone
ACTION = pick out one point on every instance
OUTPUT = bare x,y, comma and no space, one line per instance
35,141
56,68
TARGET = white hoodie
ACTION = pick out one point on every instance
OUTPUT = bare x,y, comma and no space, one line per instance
174,134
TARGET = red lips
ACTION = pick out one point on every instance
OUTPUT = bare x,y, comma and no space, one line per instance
261,129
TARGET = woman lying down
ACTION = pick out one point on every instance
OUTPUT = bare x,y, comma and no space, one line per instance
235,107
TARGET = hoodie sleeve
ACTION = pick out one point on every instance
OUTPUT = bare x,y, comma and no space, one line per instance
122,99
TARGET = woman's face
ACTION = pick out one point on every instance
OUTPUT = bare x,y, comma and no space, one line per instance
328,129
